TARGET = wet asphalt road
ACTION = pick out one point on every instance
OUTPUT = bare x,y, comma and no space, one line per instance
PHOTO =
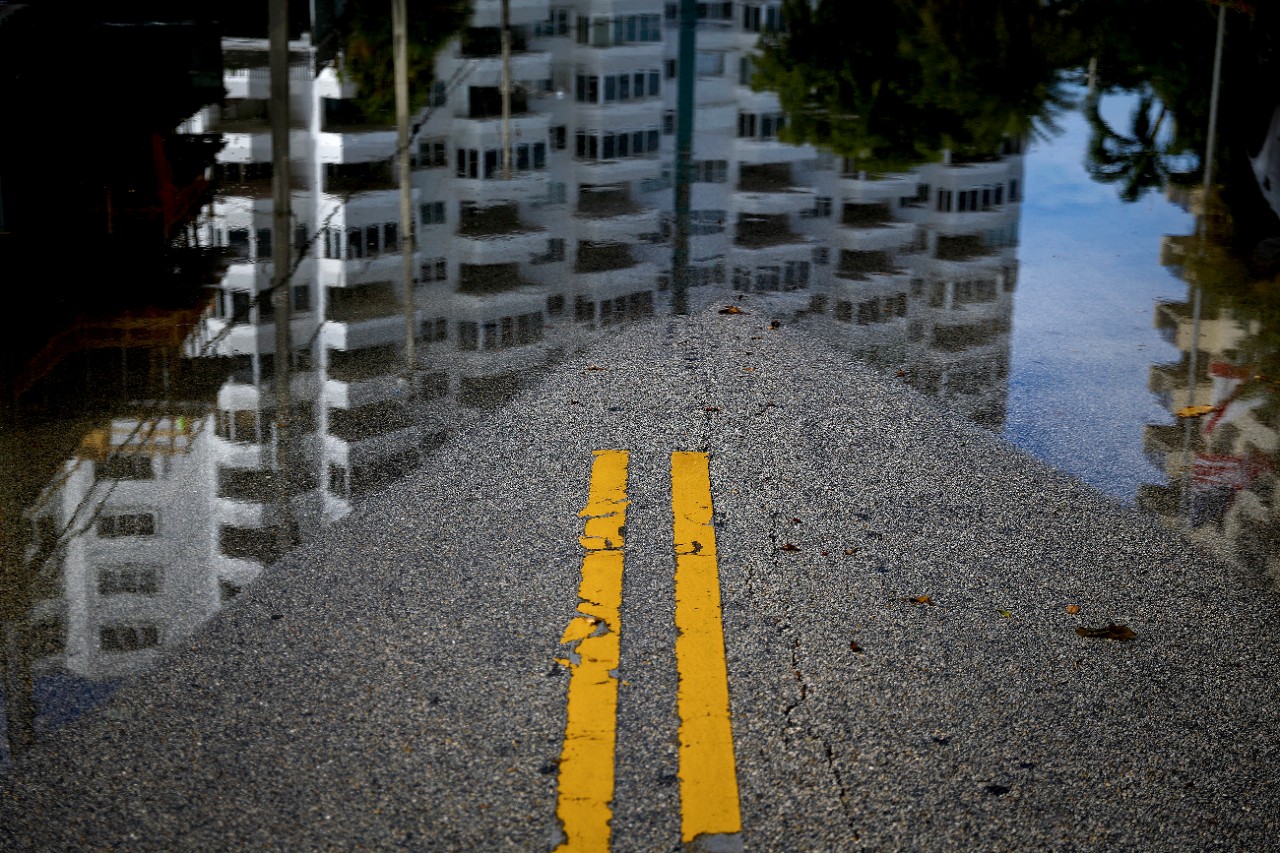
392,684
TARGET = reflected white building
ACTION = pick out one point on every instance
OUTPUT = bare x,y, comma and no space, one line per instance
514,264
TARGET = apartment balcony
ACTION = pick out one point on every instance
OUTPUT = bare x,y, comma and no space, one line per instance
765,231
617,171
892,237
254,81
766,178
476,246
791,201
335,273
863,188
861,265
604,257
966,338
755,150
527,65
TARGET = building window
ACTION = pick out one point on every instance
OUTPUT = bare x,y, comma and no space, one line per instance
762,126
616,145
432,154
556,24
128,637
301,297
468,335
702,222
554,252
432,213
821,256
435,269
710,63
127,524
796,275
435,330
757,18
820,210
525,156
611,88
710,171
559,137
125,466
624,29
129,580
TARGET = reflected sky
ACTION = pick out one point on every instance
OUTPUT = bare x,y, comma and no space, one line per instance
1083,333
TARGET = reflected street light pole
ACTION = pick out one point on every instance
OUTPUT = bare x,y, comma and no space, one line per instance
281,260
400,50
1188,474
687,74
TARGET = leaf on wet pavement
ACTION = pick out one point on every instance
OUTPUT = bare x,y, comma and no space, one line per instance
1073,608
732,309
595,367
1193,411
796,521
774,325
920,599
788,547
712,409
1110,631
854,647
1007,614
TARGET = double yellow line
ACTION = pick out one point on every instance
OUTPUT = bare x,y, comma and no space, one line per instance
708,780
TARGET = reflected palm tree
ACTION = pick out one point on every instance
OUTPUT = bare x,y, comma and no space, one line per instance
1138,161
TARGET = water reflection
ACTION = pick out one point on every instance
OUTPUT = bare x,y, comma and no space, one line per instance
146,512
1220,451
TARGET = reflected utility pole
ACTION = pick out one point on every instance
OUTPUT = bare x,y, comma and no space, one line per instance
506,90
281,259
400,52
1192,424
687,74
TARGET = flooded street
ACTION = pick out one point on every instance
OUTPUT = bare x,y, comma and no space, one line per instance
180,416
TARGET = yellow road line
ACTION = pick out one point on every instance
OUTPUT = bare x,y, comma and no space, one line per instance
586,762
708,781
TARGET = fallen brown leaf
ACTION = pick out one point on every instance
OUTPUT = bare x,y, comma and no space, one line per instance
853,646
774,325
920,599
595,367
712,409
732,309
1073,608
1110,631
788,547
1193,411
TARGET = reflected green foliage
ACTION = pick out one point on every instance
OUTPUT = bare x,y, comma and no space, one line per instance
368,58
1137,161
893,84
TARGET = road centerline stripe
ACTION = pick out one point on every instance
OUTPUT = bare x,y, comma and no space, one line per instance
710,814
586,777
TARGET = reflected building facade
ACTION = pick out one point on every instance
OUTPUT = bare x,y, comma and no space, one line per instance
1221,461
518,259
